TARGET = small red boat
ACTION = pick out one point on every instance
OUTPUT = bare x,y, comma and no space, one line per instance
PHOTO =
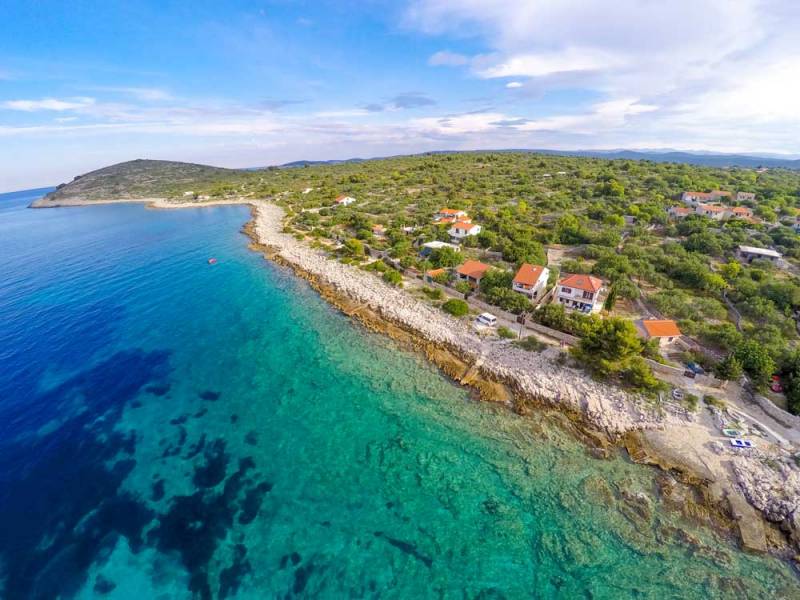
212,261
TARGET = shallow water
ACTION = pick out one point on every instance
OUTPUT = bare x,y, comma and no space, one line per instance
170,428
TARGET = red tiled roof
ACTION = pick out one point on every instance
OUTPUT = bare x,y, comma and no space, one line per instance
587,283
662,328
681,210
473,268
466,225
528,274
741,210
450,211
434,272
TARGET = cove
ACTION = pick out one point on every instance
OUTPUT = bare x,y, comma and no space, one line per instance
170,427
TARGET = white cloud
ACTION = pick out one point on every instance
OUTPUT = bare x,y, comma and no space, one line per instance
512,85
445,58
146,94
48,104
709,69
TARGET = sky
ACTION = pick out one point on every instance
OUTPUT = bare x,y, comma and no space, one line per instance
244,84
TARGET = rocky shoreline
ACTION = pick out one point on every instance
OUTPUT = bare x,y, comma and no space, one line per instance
743,493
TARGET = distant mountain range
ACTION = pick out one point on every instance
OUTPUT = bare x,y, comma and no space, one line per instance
706,159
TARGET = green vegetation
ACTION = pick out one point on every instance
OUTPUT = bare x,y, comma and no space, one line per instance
612,348
457,308
393,277
531,344
505,333
684,269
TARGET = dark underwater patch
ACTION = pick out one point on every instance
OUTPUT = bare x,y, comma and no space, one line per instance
195,525
212,471
210,395
103,586
179,420
230,578
158,490
196,448
60,505
406,547
251,438
158,389
252,502
200,413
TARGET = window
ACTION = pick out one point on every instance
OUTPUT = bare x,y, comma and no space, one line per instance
566,290
588,295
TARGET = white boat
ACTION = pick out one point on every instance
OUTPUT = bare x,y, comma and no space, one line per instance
740,443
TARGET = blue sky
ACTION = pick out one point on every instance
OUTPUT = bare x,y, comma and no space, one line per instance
85,84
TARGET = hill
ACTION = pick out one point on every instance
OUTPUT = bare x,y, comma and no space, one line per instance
139,179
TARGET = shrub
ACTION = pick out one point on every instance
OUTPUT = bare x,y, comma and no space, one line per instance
393,277
457,308
506,333
530,343
432,293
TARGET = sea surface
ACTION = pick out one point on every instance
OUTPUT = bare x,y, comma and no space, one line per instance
175,429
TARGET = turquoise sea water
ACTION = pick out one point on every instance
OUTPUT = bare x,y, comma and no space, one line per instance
174,429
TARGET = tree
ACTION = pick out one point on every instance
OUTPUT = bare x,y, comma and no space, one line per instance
496,278
729,368
457,308
756,361
446,257
608,345
611,299
640,376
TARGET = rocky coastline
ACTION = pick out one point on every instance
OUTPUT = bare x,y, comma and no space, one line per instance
745,494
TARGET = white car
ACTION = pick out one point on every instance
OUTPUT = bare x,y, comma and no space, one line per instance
487,319
678,394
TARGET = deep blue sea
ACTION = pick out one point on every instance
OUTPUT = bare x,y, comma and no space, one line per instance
175,429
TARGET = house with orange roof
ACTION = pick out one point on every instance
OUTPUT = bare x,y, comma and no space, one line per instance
712,211
740,212
679,212
343,200
694,198
580,292
472,271
530,280
663,330
462,229
451,215
378,230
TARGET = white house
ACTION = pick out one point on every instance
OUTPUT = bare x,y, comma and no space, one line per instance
429,247
580,292
463,229
531,280
344,200
745,196
694,198
749,253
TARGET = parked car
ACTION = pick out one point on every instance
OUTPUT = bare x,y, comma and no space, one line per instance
487,319
695,368
678,394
